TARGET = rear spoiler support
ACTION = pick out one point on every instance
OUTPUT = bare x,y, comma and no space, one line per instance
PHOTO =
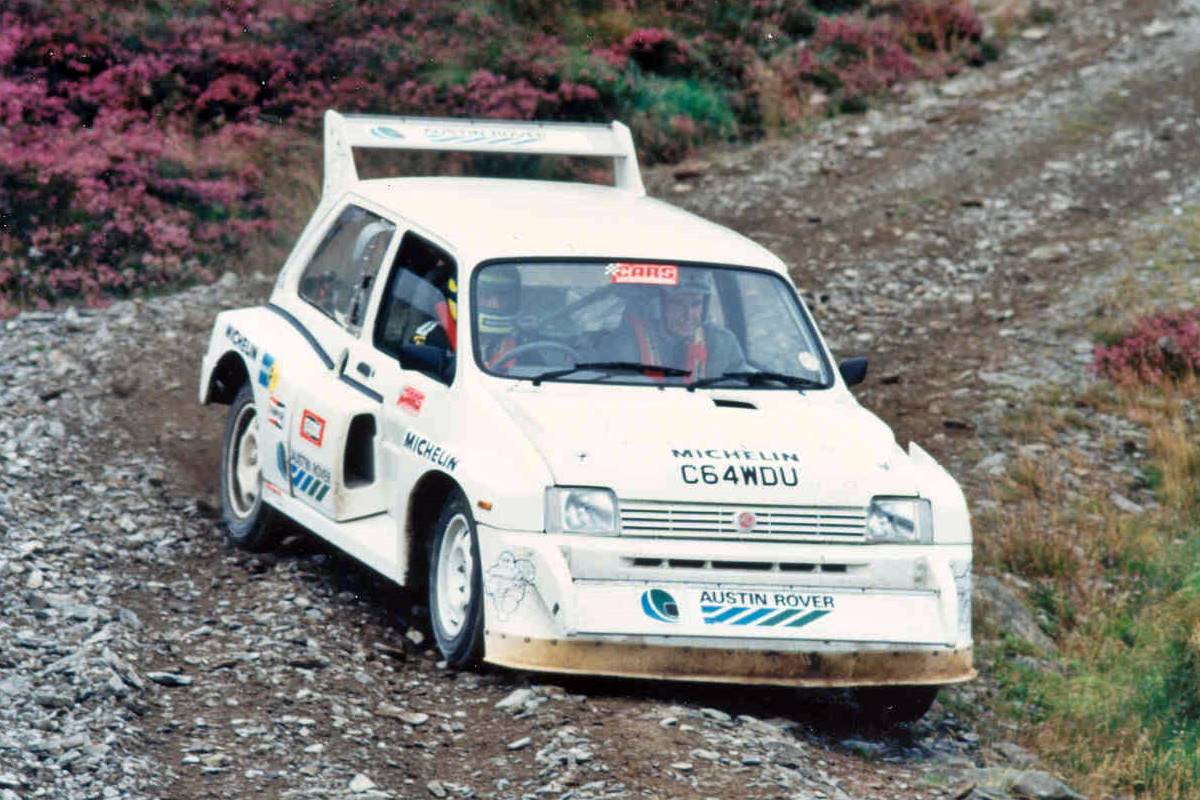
344,132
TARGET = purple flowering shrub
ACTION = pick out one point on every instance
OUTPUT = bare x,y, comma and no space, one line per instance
1160,347
129,136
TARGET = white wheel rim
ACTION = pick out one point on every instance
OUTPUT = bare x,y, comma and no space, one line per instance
243,472
455,567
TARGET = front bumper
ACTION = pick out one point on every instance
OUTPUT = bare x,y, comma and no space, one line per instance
725,611
812,668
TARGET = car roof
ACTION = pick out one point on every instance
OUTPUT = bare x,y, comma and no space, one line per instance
485,218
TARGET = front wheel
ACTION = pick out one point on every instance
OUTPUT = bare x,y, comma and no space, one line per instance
248,520
456,585
894,705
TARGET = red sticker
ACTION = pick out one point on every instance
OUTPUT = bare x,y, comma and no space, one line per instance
651,274
410,400
312,428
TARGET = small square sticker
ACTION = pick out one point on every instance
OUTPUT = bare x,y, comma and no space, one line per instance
410,400
312,428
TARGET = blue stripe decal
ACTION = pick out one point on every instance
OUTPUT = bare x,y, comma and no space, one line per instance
752,616
303,331
787,613
807,618
727,614
762,617
311,485
367,390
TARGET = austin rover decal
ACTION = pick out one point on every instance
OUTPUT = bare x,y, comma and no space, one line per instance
763,609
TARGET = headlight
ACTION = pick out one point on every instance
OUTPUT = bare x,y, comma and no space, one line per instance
900,520
581,510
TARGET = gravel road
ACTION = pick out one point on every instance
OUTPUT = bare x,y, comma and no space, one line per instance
959,236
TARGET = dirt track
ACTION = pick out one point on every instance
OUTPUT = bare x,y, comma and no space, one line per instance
953,236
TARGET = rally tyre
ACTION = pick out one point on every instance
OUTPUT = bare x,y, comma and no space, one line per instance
249,522
456,585
887,706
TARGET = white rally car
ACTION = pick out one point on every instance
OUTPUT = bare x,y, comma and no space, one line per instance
604,433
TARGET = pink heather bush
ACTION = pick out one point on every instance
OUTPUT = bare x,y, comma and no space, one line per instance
125,133
862,56
1161,347
652,50
855,56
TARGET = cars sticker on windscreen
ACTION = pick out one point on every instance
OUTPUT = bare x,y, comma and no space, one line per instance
648,274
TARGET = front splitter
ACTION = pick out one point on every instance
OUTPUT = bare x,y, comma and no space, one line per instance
721,665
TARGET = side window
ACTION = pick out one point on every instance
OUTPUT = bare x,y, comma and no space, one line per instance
338,277
420,305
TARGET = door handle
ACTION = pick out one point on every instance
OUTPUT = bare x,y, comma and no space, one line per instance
364,369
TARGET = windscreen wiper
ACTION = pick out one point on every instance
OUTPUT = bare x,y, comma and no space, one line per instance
757,378
611,366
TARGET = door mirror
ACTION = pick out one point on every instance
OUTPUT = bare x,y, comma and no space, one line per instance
433,361
854,370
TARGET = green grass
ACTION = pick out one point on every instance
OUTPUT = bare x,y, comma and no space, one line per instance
670,97
1120,706
1117,709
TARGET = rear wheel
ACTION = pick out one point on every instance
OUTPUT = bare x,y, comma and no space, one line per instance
894,705
247,519
456,585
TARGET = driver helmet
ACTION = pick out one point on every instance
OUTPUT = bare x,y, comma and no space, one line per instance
693,284
498,298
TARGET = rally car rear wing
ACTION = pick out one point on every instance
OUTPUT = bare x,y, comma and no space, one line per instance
343,132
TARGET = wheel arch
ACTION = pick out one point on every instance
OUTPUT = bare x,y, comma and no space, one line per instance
228,377
425,503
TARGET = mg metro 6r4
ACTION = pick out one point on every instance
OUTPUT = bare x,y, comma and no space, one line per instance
603,434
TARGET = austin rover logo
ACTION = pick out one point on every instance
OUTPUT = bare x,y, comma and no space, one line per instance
659,605
745,521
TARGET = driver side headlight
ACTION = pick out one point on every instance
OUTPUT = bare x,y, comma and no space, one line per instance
899,520
581,510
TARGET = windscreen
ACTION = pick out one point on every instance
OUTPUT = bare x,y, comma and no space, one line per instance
632,322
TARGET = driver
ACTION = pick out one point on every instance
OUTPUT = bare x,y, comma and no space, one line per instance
497,301
680,337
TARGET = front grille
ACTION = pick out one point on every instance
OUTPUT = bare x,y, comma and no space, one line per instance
739,566
650,518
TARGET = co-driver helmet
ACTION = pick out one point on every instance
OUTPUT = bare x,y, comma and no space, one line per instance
497,298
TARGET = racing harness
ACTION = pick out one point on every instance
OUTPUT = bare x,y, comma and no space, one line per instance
695,360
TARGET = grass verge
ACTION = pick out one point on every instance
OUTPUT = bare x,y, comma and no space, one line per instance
1118,707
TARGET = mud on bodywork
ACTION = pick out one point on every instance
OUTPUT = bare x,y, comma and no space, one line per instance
718,665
